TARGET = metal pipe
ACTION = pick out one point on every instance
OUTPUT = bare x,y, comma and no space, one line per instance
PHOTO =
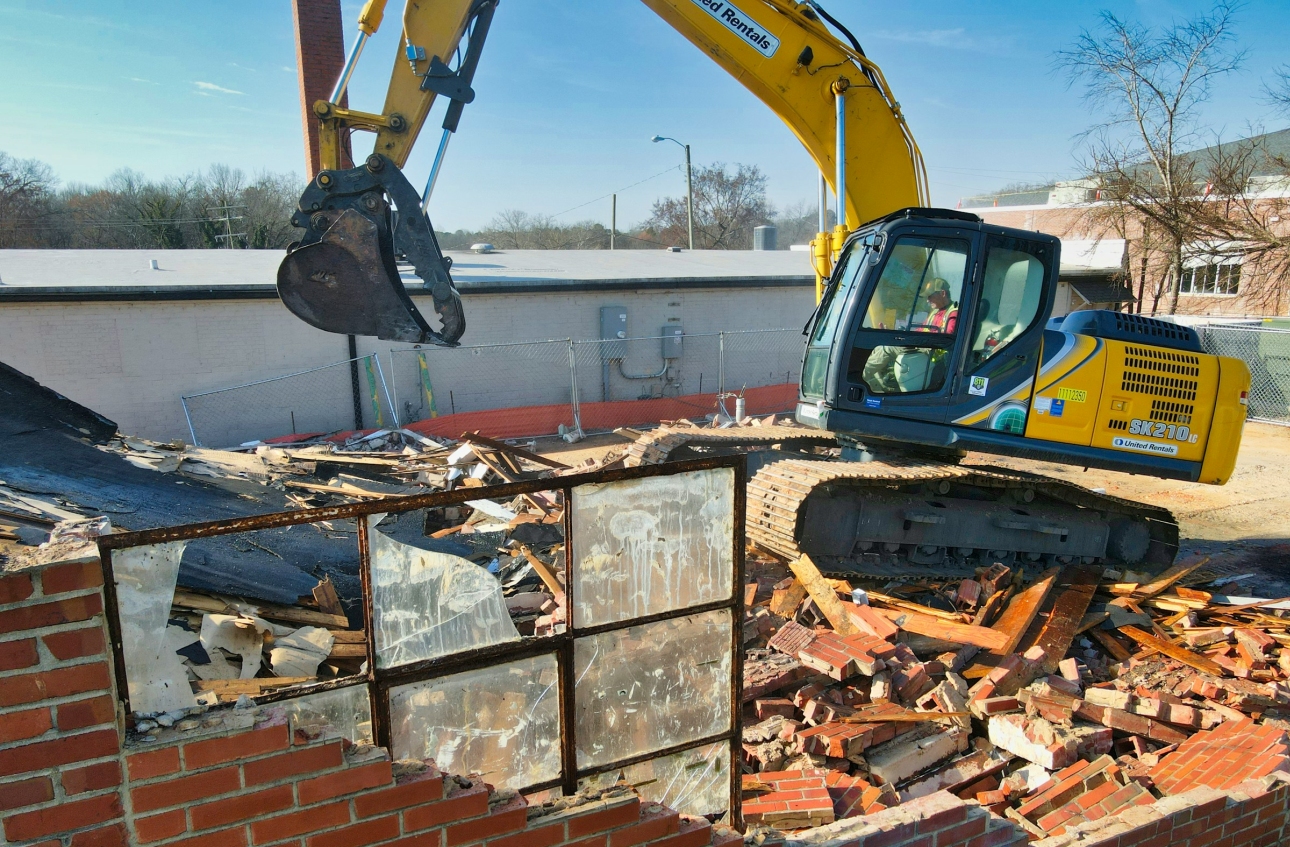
613,219
348,71
824,204
434,170
840,151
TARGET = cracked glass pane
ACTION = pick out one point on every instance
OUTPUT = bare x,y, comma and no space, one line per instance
428,604
502,722
347,711
652,686
145,586
652,545
692,782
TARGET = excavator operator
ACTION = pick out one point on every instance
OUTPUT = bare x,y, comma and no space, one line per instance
895,370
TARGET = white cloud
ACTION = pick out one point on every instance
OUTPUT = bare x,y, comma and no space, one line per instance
141,79
210,86
953,39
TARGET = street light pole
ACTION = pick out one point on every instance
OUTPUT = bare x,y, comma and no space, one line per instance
689,186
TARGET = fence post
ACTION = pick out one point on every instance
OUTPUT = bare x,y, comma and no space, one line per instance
721,363
573,388
385,388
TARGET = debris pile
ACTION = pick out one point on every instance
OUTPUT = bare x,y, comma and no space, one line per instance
1051,698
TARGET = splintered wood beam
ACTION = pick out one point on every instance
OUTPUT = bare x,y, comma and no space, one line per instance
1077,587
1169,577
1173,651
1109,643
544,572
1021,610
785,601
476,438
824,595
218,605
960,633
231,689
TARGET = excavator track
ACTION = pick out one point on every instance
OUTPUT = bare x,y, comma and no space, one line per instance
909,518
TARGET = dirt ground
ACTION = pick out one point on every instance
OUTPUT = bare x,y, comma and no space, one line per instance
1243,526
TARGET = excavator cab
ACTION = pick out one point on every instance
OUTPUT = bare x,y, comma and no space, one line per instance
930,317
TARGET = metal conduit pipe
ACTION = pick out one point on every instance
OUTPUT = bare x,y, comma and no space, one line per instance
626,375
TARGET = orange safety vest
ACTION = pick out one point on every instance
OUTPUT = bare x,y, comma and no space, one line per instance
944,321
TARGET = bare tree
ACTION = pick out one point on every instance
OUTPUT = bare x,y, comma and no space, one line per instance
518,230
26,195
1277,89
1151,84
727,205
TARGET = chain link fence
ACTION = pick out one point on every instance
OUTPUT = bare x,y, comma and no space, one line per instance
1267,353
545,387
342,396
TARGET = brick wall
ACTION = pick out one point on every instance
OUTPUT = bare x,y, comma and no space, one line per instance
244,778
320,56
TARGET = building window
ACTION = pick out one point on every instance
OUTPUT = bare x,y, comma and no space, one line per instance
1211,279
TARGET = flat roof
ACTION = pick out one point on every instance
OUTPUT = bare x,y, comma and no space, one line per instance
234,274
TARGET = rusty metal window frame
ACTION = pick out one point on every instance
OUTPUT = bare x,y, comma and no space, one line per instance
379,681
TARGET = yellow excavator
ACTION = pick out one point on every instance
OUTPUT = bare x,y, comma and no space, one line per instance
931,337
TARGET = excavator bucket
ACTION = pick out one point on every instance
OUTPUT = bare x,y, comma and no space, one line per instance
342,276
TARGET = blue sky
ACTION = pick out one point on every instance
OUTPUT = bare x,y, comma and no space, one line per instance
569,93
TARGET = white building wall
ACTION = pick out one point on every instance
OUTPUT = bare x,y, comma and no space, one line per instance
131,361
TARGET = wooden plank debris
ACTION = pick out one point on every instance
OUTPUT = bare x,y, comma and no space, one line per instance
1021,611
960,633
1173,651
219,605
825,597
476,438
1078,585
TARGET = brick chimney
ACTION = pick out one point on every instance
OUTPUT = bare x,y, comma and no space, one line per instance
320,56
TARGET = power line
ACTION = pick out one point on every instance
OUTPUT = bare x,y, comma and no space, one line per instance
617,191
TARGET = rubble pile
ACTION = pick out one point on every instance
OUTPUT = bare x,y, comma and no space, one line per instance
1051,698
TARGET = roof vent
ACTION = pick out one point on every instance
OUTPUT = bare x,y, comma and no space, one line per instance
482,247
674,249
152,265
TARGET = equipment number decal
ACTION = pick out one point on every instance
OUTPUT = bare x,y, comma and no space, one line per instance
1155,429
979,386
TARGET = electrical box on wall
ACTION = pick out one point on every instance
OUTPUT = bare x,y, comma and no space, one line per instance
613,325
672,338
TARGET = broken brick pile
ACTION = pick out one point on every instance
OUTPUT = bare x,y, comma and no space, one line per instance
1056,708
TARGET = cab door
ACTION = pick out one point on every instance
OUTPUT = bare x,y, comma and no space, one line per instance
900,353
1003,334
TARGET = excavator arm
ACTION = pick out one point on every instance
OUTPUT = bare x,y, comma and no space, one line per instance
342,276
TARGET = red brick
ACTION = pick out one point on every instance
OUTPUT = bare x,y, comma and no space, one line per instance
235,837
114,835
15,655
19,726
15,588
350,781
28,792
425,789
496,823
62,750
464,804
249,804
153,763
358,835
70,610
157,827
301,823
695,835
61,682
546,836
64,817
91,777
651,828
426,839
72,576
87,713
217,751
299,762
185,789
606,819
76,643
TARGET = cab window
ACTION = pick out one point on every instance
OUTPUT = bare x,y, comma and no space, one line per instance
1012,292
918,292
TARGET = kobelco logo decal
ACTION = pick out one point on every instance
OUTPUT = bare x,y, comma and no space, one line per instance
741,25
